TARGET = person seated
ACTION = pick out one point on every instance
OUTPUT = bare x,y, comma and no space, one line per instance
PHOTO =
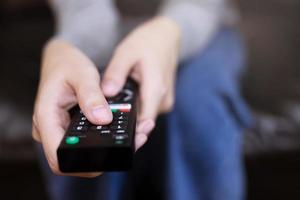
187,57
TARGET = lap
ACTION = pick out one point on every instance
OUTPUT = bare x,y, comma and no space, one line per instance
204,131
208,84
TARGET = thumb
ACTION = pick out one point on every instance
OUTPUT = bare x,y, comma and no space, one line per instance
117,71
91,100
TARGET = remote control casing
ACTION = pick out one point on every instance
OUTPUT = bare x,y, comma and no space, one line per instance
89,150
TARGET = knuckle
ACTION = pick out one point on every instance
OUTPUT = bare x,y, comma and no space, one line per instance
39,112
34,119
84,83
35,137
34,131
171,102
114,76
88,96
168,104
90,103
162,89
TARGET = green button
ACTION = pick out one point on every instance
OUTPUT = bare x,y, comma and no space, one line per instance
72,140
114,110
119,142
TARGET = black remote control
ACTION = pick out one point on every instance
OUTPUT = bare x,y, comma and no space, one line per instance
90,148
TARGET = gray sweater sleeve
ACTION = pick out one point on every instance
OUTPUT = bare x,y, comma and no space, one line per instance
91,25
199,20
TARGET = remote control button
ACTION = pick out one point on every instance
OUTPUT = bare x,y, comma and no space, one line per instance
83,118
120,137
122,122
72,140
122,117
120,131
119,142
81,123
110,101
129,95
125,110
114,110
124,106
121,113
120,127
79,128
105,131
98,127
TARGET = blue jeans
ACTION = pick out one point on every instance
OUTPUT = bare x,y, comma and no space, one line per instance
195,152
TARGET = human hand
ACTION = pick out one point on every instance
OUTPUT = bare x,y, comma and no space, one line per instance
67,77
149,54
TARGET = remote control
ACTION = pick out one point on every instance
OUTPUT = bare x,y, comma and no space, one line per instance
91,148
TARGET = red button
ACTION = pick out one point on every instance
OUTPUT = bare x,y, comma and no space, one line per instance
124,110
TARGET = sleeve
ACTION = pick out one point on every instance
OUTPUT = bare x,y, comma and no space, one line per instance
199,20
91,25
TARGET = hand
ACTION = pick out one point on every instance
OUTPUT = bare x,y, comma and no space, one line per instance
149,55
68,77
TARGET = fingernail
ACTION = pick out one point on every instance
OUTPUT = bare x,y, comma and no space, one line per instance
110,87
101,113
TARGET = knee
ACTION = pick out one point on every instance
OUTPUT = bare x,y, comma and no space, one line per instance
206,129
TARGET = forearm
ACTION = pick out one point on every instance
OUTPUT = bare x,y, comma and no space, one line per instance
90,25
198,21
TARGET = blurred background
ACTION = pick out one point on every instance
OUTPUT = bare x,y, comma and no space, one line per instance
271,86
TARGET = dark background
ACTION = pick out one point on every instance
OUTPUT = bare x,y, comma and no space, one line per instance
271,86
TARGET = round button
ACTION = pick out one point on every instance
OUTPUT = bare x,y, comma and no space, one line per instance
72,140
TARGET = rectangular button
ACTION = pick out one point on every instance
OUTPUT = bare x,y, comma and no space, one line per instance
125,106
120,137
120,131
79,128
105,132
96,128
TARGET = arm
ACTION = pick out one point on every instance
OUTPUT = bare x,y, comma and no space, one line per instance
181,29
90,25
198,20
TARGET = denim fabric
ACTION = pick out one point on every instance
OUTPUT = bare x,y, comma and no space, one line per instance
198,155
204,131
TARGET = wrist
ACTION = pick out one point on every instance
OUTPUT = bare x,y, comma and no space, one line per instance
61,55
